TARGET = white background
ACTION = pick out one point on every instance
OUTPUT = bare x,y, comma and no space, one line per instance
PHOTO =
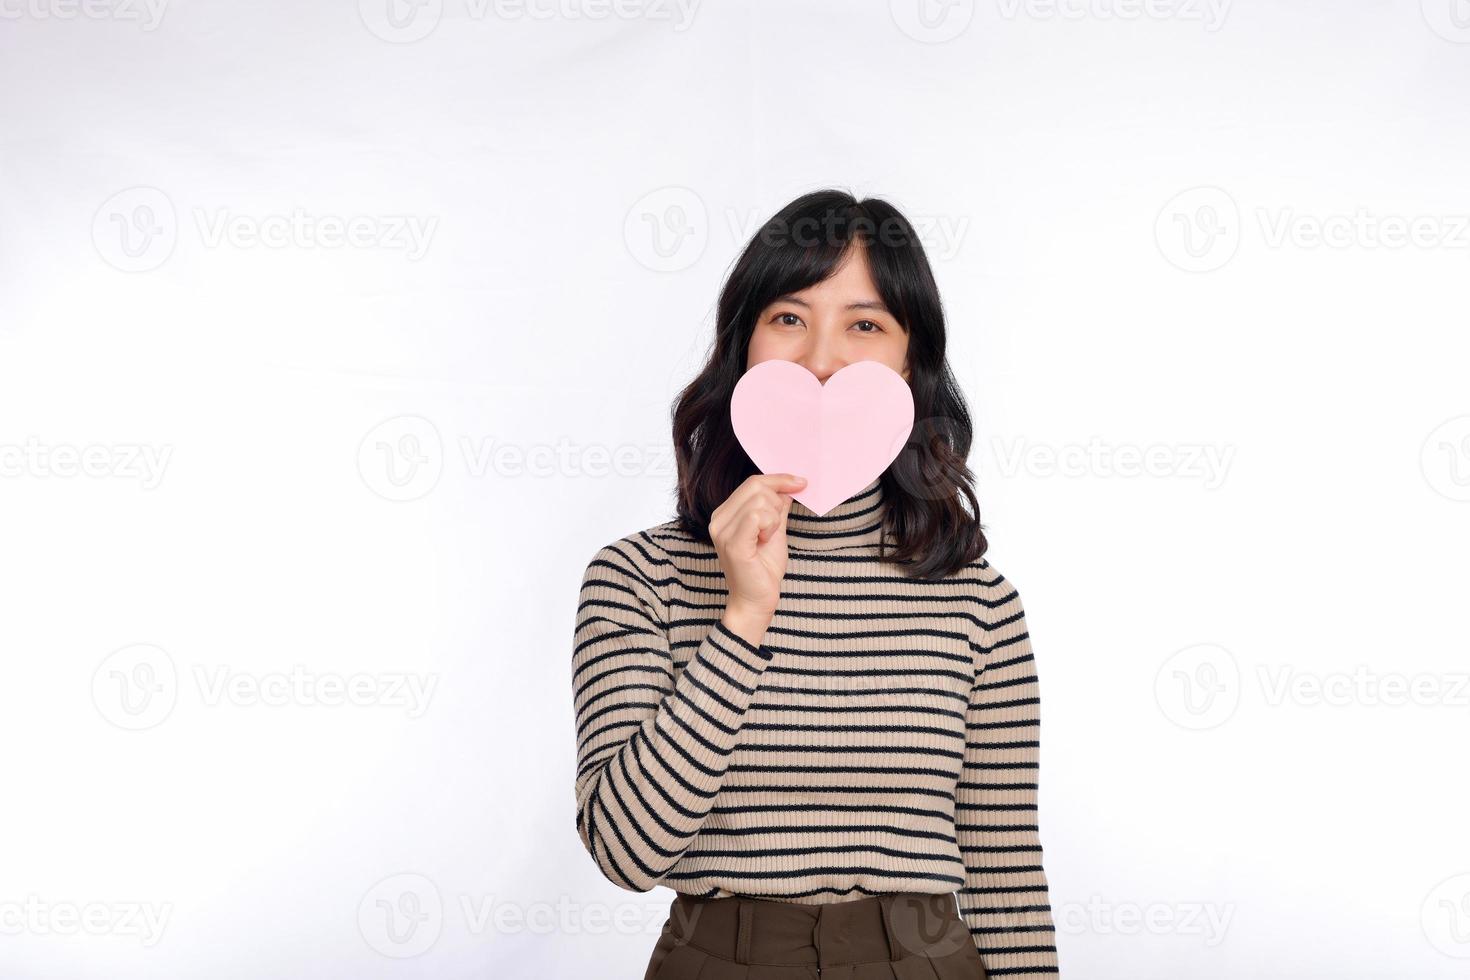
239,452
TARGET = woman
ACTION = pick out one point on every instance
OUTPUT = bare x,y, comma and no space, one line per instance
820,732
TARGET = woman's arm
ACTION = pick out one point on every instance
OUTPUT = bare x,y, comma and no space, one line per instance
1005,900
651,751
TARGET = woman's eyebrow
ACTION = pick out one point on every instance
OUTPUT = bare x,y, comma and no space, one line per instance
867,304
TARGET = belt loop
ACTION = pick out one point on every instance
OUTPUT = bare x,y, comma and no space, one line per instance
885,903
742,938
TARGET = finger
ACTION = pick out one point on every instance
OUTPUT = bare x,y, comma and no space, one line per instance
780,482
773,486
753,488
755,510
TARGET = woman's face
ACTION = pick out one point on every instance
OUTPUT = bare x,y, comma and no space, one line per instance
832,324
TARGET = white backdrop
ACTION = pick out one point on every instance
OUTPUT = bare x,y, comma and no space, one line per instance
335,338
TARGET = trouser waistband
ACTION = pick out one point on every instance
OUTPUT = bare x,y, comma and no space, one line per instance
888,927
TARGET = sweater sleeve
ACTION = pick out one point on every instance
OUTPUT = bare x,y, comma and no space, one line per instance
652,747
1005,900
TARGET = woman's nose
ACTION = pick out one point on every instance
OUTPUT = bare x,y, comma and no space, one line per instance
822,360
823,372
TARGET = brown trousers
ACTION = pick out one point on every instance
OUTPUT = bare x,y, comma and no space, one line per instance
896,936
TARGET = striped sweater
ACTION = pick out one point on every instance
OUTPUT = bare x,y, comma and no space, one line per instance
883,737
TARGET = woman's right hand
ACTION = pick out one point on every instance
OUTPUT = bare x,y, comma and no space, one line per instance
749,534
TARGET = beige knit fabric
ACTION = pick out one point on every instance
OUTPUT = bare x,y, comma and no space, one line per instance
883,737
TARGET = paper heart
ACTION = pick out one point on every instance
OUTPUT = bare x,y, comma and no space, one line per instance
840,436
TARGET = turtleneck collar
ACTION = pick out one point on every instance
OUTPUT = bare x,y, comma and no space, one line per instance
856,522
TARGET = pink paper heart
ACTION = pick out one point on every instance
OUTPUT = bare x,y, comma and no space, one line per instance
840,436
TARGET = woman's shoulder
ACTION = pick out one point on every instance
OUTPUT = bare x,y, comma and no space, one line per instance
651,549
988,584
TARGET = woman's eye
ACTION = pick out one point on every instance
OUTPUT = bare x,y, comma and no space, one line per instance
870,323
782,317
